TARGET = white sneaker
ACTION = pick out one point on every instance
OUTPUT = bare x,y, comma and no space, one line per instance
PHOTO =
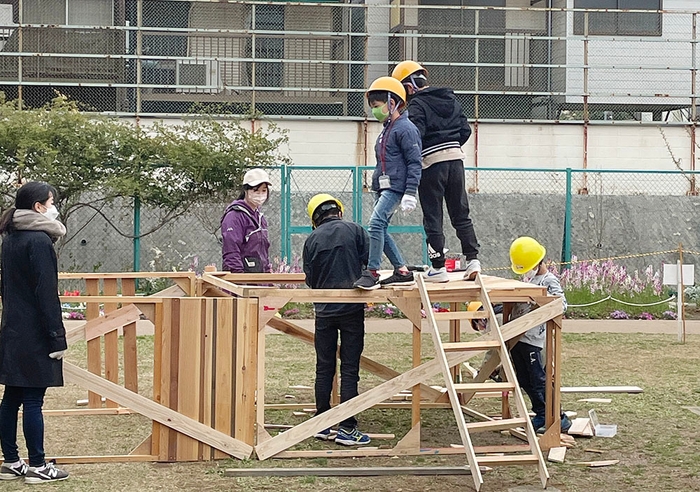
473,267
436,275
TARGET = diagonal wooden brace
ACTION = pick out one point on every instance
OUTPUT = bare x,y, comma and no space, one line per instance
361,402
155,411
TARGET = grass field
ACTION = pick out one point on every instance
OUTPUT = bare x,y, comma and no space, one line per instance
657,441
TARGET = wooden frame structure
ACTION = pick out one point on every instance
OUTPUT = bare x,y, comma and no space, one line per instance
408,301
209,384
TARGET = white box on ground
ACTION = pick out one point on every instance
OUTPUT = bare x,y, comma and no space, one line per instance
671,274
601,430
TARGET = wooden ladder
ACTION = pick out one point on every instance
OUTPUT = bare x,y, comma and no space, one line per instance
521,419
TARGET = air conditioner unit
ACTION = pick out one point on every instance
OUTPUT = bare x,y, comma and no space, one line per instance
202,74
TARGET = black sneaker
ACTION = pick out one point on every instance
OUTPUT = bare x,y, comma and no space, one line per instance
8,472
44,474
398,278
368,281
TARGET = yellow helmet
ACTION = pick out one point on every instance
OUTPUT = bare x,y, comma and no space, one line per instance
474,306
406,68
525,254
388,84
315,208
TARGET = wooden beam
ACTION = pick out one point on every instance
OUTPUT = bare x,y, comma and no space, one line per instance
351,407
111,321
80,412
120,458
157,412
96,298
376,471
396,451
131,374
601,389
267,278
118,275
76,334
94,346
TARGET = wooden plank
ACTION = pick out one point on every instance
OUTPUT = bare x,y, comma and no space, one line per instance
268,278
206,409
376,471
161,393
189,373
557,455
459,315
351,407
174,382
111,338
601,389
76,334
474,345
96,298
484,386
120,458
695,410
185,284
94,347
222,284
495,425
131,368
81,412
157,375
524,459
154,411
246,369
596,464
260,396
224,377
111,322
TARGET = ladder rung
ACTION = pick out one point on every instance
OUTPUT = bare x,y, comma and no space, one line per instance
463,387
449,315
467,346
495,425
519,459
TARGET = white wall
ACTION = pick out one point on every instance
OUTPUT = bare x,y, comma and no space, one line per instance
671,50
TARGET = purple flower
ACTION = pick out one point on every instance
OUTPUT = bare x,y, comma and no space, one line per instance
645,315
669,315
76,315
290,312
618,314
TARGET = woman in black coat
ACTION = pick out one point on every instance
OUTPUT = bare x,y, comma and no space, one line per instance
32,337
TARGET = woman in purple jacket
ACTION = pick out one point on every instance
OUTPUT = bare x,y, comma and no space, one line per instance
244,229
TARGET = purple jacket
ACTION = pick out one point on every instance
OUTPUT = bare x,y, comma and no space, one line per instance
244,234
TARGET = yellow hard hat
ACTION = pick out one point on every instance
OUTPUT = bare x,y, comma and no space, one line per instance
525,254
406,68
315,208
388,84
474,306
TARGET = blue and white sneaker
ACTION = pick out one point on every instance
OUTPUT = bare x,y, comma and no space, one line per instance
351,437
438,275
325,434
12,472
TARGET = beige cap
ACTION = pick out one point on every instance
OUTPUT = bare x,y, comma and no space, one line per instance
255,177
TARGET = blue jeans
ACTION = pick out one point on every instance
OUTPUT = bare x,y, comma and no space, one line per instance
31,399
387,203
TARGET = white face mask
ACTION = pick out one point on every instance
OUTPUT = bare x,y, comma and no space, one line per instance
257,198
51,213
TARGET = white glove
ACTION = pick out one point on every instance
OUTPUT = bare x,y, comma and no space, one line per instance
408,203
57,355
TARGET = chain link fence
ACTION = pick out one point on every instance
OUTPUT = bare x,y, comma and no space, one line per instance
588,214
167,57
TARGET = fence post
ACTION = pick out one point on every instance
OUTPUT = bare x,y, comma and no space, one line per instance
357,195
137,235
285,213
566,242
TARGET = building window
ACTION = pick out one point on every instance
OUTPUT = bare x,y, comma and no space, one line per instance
619,23
68,12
